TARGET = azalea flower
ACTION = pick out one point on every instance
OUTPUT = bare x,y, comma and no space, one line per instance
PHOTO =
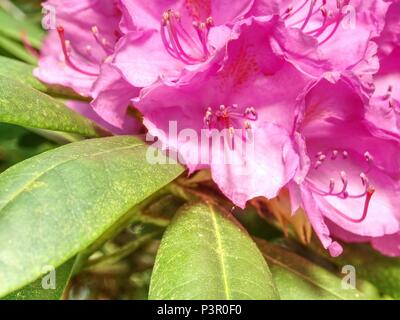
352,183
73,54
274,97
251,99
171,40
384,109
341,31
85,35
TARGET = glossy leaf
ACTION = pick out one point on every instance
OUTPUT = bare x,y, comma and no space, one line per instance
13,28
55,205
206,254
15,49
49,287
381,271
17,144
300,279
25,106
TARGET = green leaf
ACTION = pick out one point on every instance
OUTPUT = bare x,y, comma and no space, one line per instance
256,226
300,279
44,288
25,106
58,203
13,29
206,254
15,49
23,72
381,271
17,144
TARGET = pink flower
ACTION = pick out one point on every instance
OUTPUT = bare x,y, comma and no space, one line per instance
87,31
353,170
341,31
171,40
76,52
384,109
389,39
131,125
251,99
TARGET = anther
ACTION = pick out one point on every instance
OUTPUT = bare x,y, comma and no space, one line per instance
368,157
208,117
324,12
210,22
190,48
317,164
251,113
227,118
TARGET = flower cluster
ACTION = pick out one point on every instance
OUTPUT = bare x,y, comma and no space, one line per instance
312,85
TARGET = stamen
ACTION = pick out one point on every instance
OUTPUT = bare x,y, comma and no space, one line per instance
325,24
178,41
309,15
338,21
290,12
343,177
227,118
251,114
368,157
329,18
344,193
317,164
101,41
65,44
208,118
304,18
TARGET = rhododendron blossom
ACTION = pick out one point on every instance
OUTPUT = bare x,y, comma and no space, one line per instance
384,109
171,40
84,37
300,98
235,97
342,32
352,181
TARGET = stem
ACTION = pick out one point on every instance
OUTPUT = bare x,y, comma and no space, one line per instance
122,252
